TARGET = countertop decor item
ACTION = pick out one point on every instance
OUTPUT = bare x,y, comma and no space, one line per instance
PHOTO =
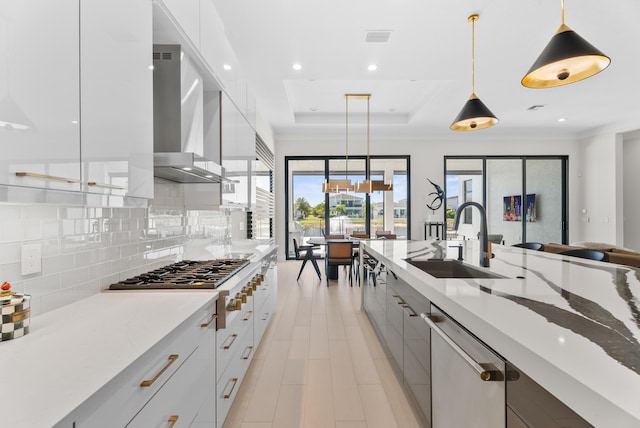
474,114
15,311
436,203
567,58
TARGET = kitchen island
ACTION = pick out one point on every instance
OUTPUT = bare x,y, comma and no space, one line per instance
572,325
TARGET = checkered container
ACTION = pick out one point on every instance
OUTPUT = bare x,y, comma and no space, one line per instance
15,318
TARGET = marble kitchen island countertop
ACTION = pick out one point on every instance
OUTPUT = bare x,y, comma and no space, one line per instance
72,352
573,325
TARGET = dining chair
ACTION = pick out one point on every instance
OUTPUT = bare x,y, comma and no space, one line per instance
360,235
380,233
599,256
339,254
536,246
305,253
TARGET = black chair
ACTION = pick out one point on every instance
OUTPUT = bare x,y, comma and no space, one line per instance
535,246
305,253
596,255
339,254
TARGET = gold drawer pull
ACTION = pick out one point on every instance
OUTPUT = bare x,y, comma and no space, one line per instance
247,316
172,359
107,186
213,317
235,381
250,348
46,177
233,339
409,311
172,420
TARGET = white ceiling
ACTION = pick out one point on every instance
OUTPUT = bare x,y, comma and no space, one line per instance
424,70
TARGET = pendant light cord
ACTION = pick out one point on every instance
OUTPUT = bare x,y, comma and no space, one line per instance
562,2
473,55
368,166
346,168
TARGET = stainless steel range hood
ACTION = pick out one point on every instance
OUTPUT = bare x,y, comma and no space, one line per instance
186,149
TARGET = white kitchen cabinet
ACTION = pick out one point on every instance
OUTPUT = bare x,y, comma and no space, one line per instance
39,94
117,97
187,15
176,376
212,37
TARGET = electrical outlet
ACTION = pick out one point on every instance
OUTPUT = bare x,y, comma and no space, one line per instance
31,259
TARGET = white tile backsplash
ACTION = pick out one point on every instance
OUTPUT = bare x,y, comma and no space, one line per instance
85,249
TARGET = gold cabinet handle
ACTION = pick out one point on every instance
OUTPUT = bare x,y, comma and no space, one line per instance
235,381
233,339
399,299
107,186
172,359
246,357
172,420
46,177
409,311
206,324
247,316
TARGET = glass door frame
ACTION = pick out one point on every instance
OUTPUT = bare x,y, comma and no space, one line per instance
565,196
326,160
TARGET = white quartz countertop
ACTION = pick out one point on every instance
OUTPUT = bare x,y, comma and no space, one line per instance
71,352
573,325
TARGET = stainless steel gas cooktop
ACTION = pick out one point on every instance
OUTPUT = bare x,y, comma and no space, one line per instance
187,274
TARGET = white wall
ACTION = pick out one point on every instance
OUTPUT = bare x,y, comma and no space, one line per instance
427,160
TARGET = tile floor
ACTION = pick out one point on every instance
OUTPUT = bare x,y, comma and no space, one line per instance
320,363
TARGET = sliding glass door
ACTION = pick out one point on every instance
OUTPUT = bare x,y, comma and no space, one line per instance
524,197
312,213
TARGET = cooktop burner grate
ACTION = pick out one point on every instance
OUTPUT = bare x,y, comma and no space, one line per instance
187,274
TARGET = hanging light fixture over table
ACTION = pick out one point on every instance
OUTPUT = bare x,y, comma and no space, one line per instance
368,185
474,114
567,58
335,185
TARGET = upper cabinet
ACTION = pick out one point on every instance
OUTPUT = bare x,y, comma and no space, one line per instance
76,96
39,94
117,97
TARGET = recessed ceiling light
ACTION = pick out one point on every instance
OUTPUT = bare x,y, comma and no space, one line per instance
150,67
297,67
372,67
75,122
562,119
186,168
208,176
227,67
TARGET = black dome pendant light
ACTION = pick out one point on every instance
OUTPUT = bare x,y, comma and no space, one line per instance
474,114
567,58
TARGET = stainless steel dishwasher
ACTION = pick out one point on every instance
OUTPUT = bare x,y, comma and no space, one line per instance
467,378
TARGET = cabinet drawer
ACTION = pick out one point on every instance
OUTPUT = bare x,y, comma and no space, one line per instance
263,317
233,340
119,400
229,383
177,401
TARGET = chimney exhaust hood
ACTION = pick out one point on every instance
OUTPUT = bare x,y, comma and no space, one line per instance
185,148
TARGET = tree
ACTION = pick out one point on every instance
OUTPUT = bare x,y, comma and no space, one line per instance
341,209
318,210
302,207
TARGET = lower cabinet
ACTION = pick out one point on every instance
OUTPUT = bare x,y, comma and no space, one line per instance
171,379
451,378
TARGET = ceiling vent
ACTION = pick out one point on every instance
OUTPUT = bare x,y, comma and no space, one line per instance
378,36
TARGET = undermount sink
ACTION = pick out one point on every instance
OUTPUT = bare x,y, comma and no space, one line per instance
452,269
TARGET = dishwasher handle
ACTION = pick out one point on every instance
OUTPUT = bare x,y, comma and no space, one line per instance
485,375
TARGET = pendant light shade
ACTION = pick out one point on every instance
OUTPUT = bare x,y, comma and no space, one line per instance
474,114
567,58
